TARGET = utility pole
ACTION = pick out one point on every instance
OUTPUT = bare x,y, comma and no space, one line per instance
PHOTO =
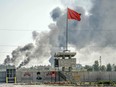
100,62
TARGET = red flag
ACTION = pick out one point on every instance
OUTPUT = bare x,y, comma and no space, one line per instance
73,15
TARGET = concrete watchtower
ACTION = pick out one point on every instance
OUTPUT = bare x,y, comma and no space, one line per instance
64,60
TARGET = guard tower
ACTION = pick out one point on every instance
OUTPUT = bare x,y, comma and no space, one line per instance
64,61
10,74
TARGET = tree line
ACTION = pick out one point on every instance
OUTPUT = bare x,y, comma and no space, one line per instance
97,67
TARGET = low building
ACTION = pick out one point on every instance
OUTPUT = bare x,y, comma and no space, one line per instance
2,74
7,74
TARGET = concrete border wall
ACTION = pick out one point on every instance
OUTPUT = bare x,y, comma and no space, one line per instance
95,76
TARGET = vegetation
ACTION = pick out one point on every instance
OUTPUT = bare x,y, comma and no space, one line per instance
109,68
96,67
106,83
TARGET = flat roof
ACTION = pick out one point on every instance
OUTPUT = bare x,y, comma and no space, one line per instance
65,54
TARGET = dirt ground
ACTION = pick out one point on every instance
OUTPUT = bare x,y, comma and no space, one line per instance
11,85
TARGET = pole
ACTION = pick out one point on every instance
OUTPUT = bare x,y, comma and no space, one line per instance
67,31
100,62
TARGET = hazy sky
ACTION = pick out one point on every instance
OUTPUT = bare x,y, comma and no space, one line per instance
18,18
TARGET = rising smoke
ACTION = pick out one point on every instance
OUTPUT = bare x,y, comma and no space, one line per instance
92,37
19,54
95,36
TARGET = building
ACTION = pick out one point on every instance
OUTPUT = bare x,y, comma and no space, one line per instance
2,74
7,74
64,71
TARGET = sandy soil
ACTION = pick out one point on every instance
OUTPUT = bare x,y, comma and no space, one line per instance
11,85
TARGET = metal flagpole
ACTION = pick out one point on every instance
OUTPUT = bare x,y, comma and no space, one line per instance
67,30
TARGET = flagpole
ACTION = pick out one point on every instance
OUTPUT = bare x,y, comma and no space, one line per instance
67,30
72,15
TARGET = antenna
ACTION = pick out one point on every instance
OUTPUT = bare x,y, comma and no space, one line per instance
100,62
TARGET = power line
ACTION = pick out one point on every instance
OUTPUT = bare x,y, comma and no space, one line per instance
5,52
17,30
40,30
49,46
10,45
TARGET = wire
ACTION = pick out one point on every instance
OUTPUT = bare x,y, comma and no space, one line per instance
40,30
5,52
49,46
10,45
17,30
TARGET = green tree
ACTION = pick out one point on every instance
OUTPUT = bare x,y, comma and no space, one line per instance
103,68
89,68
109,67
115,68
96,66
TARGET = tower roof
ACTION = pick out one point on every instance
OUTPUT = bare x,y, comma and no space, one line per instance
65,54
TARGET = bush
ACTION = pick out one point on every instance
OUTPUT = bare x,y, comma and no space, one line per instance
105,83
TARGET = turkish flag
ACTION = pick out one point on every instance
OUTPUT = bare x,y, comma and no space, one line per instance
73,15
